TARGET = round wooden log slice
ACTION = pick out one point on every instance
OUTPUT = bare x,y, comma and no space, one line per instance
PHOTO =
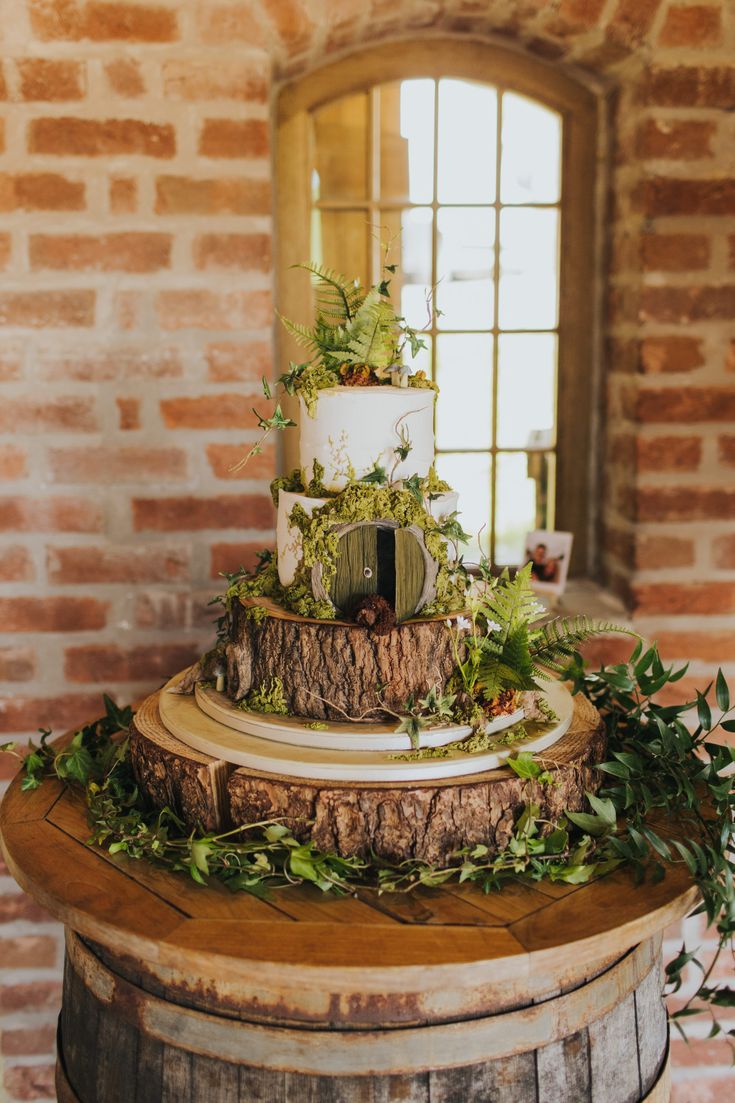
427,820
333,669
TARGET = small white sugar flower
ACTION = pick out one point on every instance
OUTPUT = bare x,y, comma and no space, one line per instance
463,622
493,626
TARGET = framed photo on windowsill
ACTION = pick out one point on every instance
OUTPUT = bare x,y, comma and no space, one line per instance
549,553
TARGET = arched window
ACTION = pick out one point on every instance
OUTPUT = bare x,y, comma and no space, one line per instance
479,164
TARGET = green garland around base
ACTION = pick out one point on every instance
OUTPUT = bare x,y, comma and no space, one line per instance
657,766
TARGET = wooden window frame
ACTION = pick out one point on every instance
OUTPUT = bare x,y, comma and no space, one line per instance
578,354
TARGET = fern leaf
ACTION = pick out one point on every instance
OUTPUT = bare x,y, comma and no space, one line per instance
558,639
336,294
304,336
372,332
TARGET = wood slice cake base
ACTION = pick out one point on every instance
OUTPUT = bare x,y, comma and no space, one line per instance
426,820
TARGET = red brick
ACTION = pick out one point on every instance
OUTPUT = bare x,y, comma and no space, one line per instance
128,252
234,138
165,610
582,14
222,457
226,511
675,139
229,195
114,365
675,252
249,252
670,354
44,309
632,19
16,564
654,552
17,664
101,565
723,552
44,79
679,503
689,86
245,80
686,404
100,137
239,363
691,25
291,21
123,195
65,413
228,22
28,951
686,598
37,995
124,77
116,466
607,651
101,21
40,191
128,413
52,614
669,453
28,1082
109,663
221,411
665,195
128,309
209,310
50,515
12,462
726,450
687,304
6,247
18,906
228,558
710,647
27,1041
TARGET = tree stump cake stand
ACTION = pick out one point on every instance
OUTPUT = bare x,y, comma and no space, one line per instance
175,993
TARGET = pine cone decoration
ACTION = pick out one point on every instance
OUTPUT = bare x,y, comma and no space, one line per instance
375,613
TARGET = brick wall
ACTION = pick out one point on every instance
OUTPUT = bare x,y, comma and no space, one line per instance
136,314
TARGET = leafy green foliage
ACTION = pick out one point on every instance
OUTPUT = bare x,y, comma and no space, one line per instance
553,644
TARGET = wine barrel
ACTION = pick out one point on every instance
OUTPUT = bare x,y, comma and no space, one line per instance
603,1041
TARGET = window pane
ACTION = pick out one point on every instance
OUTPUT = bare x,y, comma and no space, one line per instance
523,490
528,268
464,292
341,148
408,234
467,141
530,161
470,476
340,240
407,140
464,375
526,390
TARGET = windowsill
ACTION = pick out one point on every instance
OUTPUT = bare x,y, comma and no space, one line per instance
582,595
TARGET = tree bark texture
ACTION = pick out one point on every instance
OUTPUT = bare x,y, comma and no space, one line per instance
427,820
330,671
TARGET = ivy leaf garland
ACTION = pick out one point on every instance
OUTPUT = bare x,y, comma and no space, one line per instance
668,798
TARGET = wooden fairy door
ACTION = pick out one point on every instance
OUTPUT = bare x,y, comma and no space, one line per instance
379,558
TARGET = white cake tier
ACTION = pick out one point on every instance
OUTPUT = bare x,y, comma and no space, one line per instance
288,537
353,428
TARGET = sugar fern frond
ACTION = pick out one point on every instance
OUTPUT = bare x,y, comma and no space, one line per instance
303,335
336,295
554,643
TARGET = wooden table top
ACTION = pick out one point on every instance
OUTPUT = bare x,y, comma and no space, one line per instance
168,921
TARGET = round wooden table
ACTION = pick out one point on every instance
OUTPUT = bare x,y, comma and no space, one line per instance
184,994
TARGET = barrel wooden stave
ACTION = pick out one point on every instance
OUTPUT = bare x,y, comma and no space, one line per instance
107,1017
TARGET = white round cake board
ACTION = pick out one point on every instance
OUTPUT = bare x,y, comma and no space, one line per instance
184,719
335,735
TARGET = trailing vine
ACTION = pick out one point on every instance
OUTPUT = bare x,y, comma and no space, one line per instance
668,799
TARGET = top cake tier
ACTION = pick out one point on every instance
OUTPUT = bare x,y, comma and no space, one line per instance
353,429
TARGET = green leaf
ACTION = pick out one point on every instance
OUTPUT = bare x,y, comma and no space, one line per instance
200,851
722,693
704,713
524,765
